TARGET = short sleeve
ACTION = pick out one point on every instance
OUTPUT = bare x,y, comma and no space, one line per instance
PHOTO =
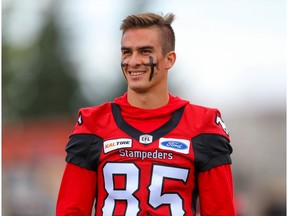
84,150
211,150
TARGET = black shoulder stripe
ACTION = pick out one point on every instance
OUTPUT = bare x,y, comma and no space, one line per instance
211,150
84,150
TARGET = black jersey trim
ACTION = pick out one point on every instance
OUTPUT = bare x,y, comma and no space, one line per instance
211,150
156,134
84,150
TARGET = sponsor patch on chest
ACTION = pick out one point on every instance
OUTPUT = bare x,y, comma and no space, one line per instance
110,145
177,145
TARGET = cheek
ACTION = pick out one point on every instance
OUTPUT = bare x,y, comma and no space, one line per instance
160,66
124,60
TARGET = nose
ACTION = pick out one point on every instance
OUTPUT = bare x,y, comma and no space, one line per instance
133,60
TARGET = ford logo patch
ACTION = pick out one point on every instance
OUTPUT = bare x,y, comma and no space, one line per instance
175,145
172,144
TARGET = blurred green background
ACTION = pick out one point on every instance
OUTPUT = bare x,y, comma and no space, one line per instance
58,56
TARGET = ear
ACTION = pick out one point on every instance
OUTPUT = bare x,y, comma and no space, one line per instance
170,59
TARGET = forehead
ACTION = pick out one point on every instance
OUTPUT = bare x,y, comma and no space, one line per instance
141,37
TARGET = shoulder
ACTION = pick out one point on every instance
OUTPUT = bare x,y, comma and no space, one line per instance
85,142
211,141
200,113
90,118
206,119
202,110
95,110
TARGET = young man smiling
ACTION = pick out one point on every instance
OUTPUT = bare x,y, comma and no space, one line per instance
147,152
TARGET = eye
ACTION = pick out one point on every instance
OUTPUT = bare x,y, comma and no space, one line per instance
125,51
146,51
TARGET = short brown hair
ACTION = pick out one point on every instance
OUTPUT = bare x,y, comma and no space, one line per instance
146,20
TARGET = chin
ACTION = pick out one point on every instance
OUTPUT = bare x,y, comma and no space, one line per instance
138,89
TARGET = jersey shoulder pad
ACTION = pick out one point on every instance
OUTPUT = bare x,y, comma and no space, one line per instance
208,120
211,143
91,119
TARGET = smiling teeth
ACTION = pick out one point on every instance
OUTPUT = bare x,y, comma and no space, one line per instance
136,73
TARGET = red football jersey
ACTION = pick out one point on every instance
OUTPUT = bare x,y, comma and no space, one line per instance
151,173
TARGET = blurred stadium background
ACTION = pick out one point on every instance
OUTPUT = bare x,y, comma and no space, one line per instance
60,55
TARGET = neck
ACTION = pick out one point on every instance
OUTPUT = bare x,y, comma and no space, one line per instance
148,100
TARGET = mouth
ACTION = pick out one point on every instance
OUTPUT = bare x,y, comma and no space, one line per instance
136,73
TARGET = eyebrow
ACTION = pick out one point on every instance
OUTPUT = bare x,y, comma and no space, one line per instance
146,47
125,48
138,48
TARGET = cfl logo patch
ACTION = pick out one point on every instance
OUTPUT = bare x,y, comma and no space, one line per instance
146,139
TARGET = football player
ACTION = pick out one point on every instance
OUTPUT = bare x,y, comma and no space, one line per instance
147,152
